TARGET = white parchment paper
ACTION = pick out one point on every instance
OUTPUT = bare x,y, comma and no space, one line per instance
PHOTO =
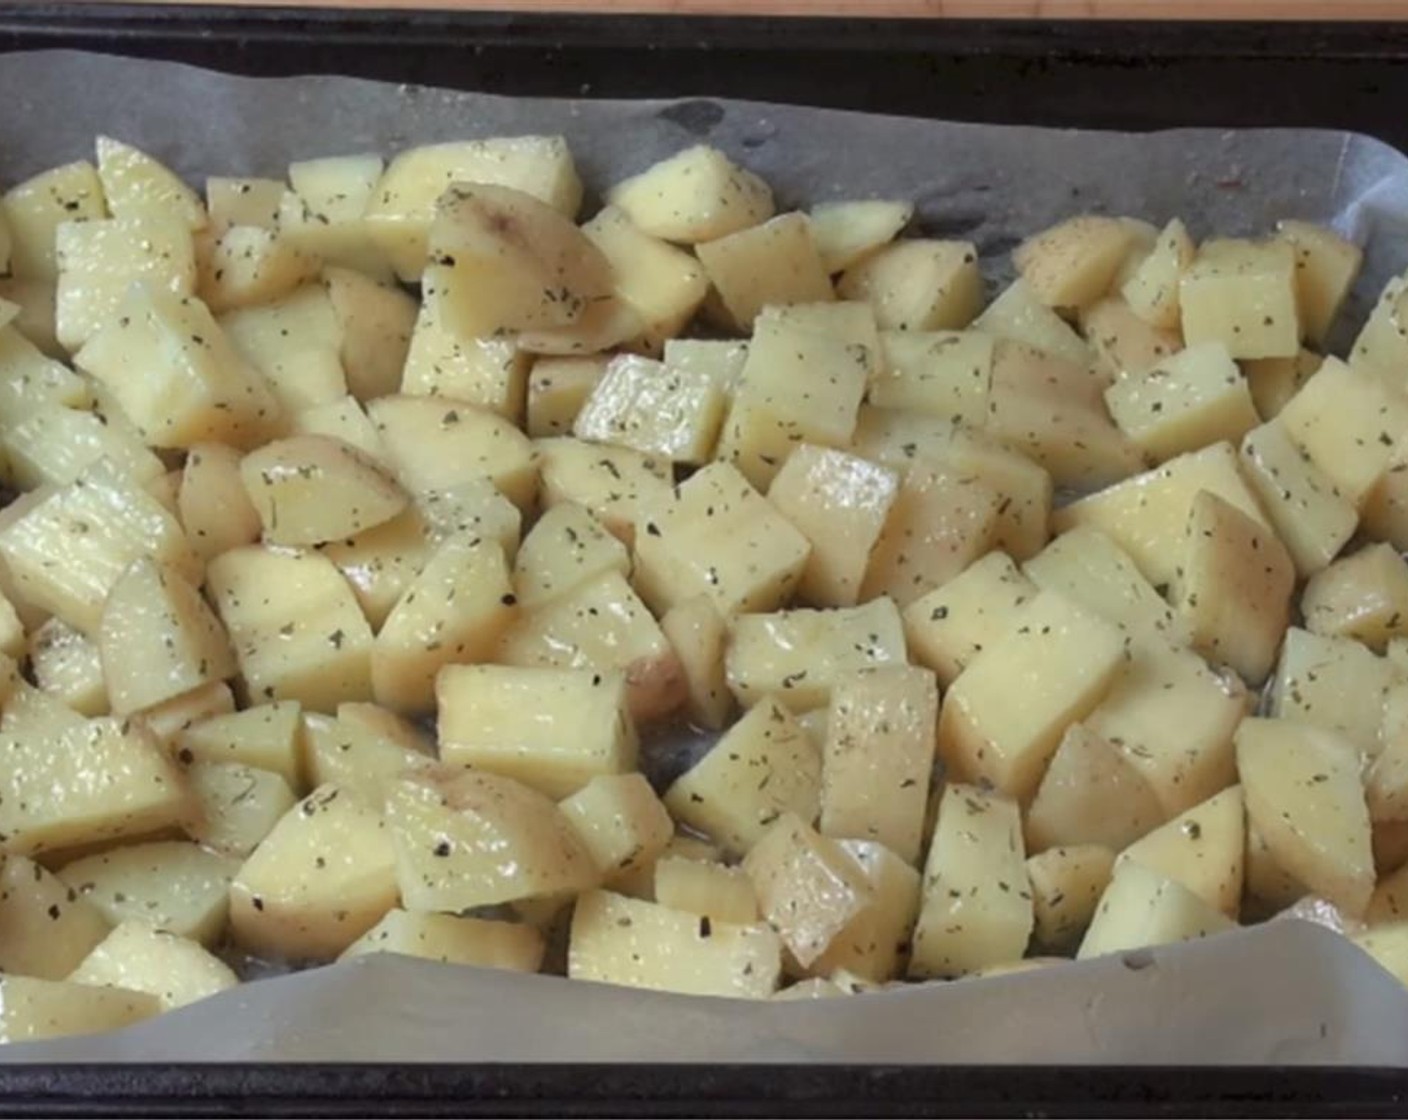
1287,993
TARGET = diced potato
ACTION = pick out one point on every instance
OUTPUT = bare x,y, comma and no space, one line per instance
1202,848
878,757
1386,781
564,549
763,766
1192,399
1304,795
621,821
605,324
977,903
698,635
942,373
1332,683
696,195
711,890
848,232
1142,908
615,484
33,322
237,806
1303,503
383,721
96,780
213,505
376,322
552,729
637,944
1347,422
139,957
402,207
336,752
1363,596
65,663
35,208
639,881
159,638
1242,294
246,266
55,445
1269,887
1093,572
469,838
651,408
799,655
716,536
918,284
265,736
1385,510
296,343
1125,345
32,1009
434,444
295,625
1274,381
772,264
1090,794
137,184
1152,291
172,884
31,712
1066,885
873,946
1017,314
1147,515
1173,718
899,439
167,720
661,284
322,878
490,373
557,388
952,624
48,928
380,563
1072,264
1233,593
1003,718
456,610
242,202
601,625
452,939
344,420
1326,266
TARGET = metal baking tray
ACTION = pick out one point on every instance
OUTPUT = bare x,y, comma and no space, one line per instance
1132,76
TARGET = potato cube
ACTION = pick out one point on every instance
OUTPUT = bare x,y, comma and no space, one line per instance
402,207
380,563
918,284
1274,381
66,664
1142,908
809,889
699,637
167,720
1332,683
265,736
1234,591
799,655
848,232
878,757
1072,264
952,624
1385,511
136,183
172,884
55,445
1326,266
356,758
874,945
452,939
1153,289
1023,488
942,373
490,373
1066,885
212,503
763,766
159,638
454,611
376,321
1018,315
619,940
768,265
344,420
661,284
296,343
48,929
1348,422
696,195
1090,794
900,439
237,806
324,876
552,729
242,202
1147,515
1302,502
1173,718
1269,887
615,484
1192,399
605,324
35,208
711,890
33,1009
1304,795
30,380
649,407
977,904
556,391
564,549
1095,573
721,360
1242,294
1386,782
621,821
1364,596
139,957
601,625
295,625
1003,718
1202,848
1125,345
30,712
434,444
715,535
247,266
469,838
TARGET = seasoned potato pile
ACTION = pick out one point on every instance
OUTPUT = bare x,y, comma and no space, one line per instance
370,528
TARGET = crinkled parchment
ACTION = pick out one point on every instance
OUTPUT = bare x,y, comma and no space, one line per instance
1290,992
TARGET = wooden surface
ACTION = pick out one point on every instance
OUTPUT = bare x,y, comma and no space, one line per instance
1015,9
